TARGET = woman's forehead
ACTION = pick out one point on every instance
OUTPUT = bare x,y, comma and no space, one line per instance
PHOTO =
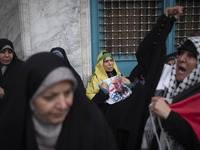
108,58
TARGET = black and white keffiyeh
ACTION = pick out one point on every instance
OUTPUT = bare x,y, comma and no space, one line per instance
153,122
191,79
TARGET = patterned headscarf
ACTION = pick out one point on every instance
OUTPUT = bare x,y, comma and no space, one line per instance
191,79
153,122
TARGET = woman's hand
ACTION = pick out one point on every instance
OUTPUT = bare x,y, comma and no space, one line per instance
125,80
160,107
104,85
174,11
1,93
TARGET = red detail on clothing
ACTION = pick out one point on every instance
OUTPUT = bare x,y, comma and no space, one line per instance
189,109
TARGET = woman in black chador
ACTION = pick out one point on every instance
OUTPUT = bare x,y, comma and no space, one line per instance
46,111
10,66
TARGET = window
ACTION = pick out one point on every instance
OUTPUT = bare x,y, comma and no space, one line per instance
120,25
189,22
125,23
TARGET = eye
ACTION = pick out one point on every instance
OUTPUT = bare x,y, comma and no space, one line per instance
10,51
105,61
49,97
68,92
3,51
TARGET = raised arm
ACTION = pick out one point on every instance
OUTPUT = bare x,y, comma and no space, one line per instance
153,46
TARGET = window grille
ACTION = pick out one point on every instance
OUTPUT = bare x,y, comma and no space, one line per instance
125,23
189,23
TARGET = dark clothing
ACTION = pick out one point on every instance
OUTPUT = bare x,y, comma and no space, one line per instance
61,50
81,86
114,115
116,112
83,128
179,127
136,75
9,78
151,56
112,73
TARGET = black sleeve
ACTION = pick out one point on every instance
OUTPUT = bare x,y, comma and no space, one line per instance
153,46
180,129
100,97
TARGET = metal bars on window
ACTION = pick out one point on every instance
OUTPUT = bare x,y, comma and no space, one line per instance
189,22
125,23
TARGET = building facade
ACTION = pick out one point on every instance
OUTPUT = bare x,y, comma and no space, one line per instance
86,27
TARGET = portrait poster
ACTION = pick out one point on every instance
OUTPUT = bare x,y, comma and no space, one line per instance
117,90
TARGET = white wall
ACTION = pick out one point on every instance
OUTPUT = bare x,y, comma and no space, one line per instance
10,24
39,25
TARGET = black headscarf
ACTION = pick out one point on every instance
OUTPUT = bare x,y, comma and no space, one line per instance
8,79
84,127
61,50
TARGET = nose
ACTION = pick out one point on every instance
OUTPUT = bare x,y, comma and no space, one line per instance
182,57
6,54
110,63
62,103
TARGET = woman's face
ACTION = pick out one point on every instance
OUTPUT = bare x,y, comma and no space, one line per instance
6,56
171,62
58,55
186,62
108,64
54,103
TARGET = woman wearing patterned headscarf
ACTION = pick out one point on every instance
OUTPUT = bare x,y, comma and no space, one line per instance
107,68
101,73
184,74
153,122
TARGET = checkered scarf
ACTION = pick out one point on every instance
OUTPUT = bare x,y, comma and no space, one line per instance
154,122
191,79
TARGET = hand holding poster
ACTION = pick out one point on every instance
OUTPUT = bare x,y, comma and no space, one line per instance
116,89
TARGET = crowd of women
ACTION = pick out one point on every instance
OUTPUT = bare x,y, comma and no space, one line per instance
44,105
